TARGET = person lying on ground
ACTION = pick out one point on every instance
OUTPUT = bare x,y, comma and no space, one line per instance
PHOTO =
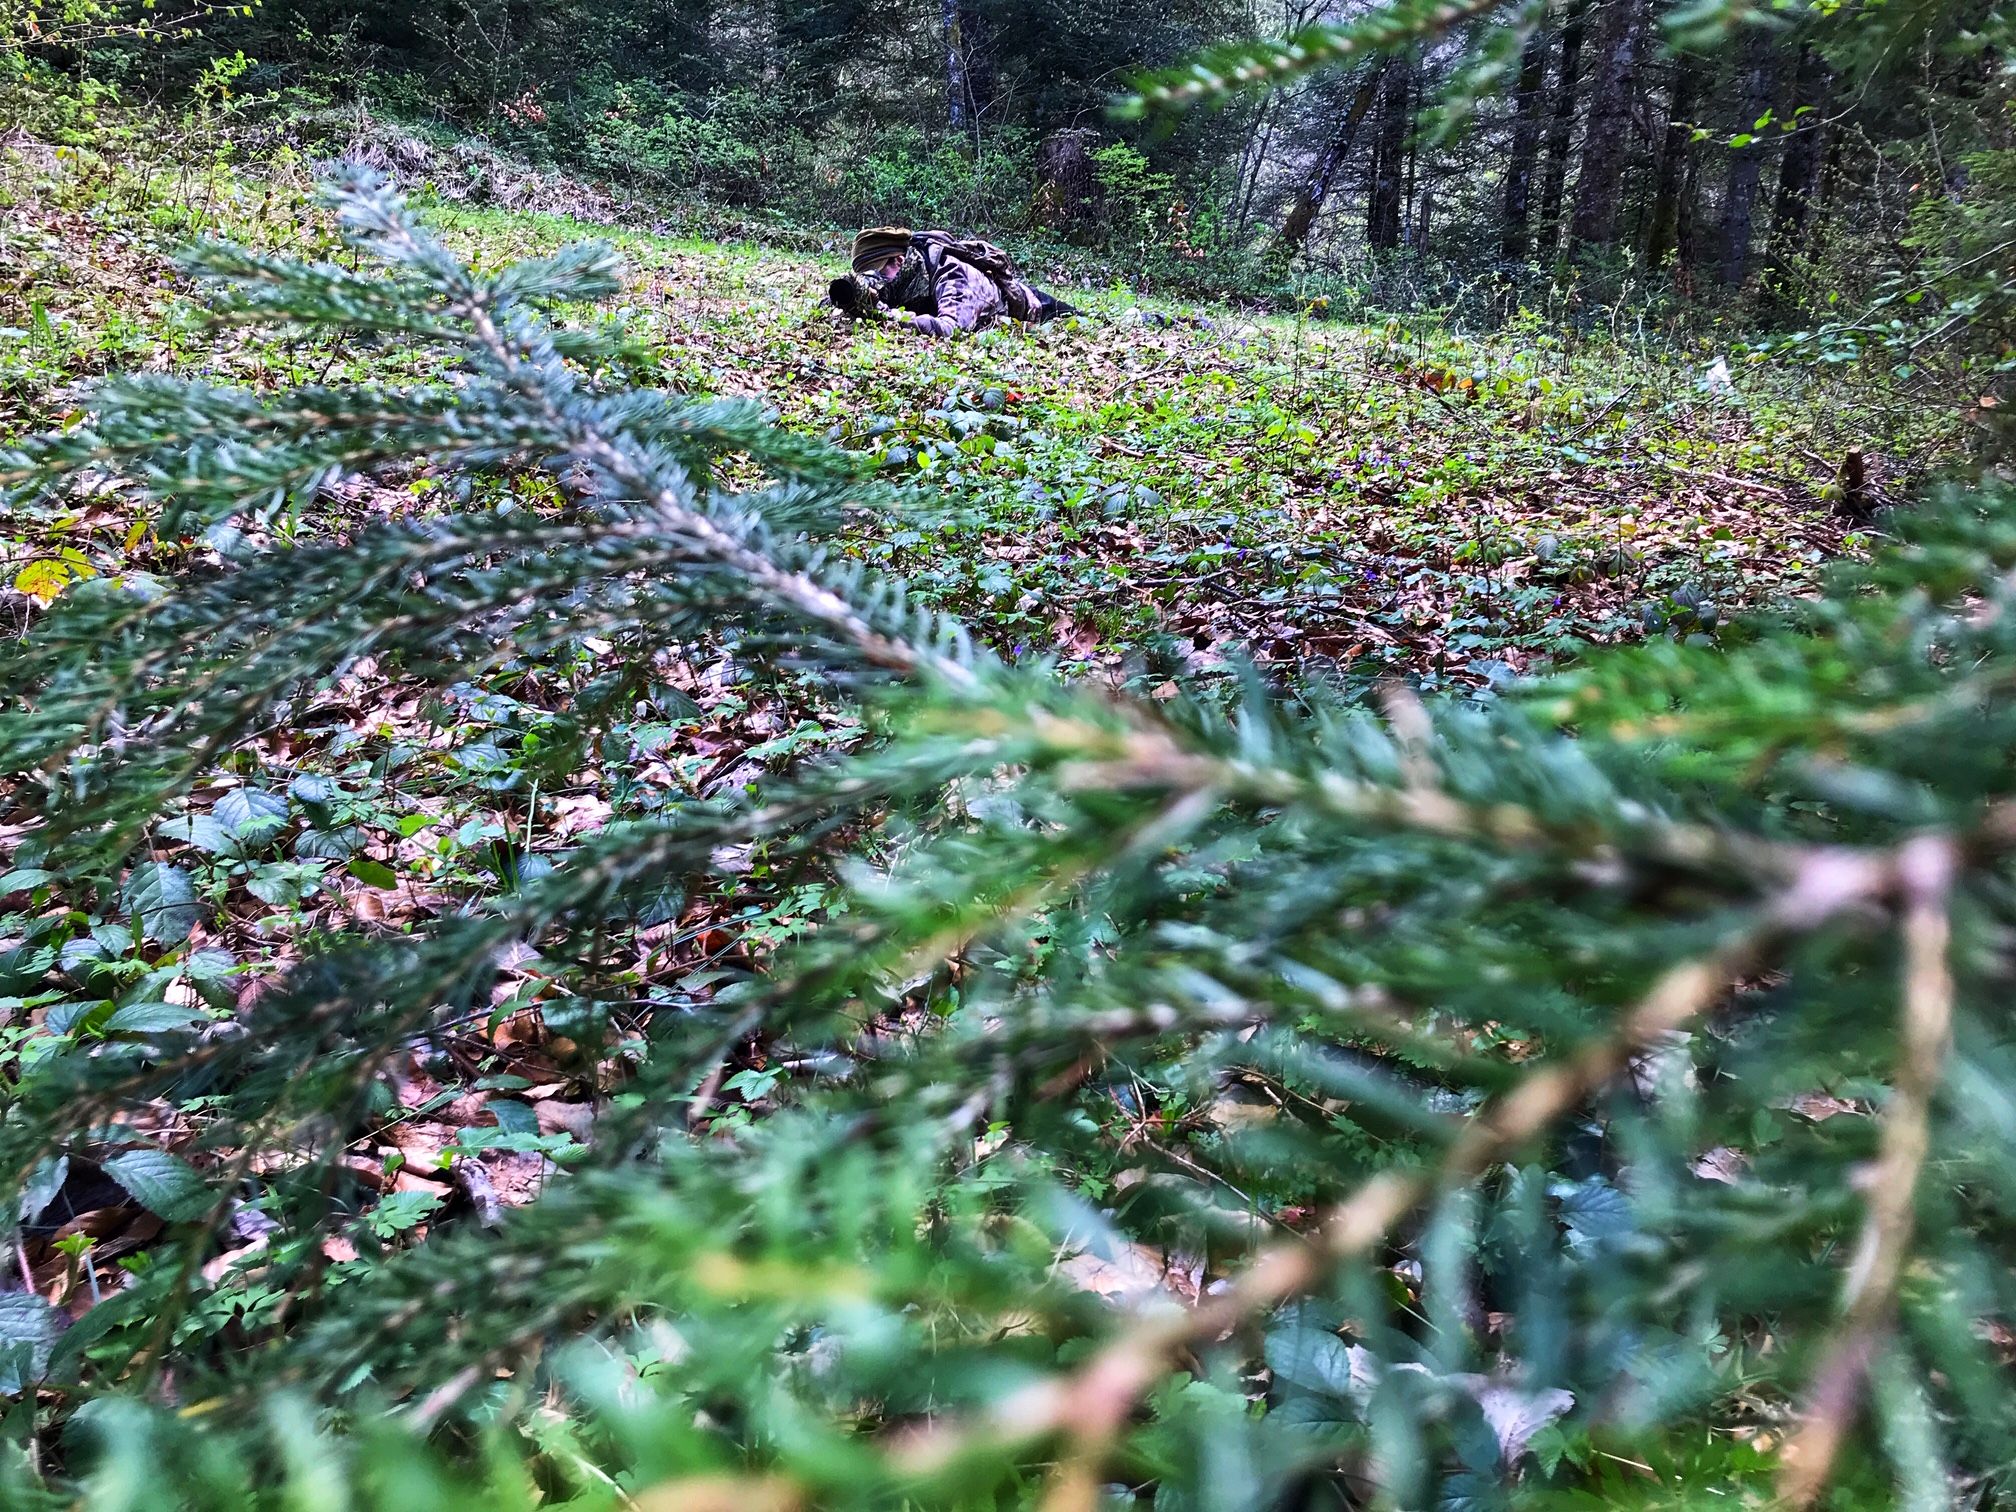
937,282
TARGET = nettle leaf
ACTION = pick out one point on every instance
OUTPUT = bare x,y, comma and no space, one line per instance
151,1018
310,788
283,883
42,1186
22,967
1311,1358
328,845
204,831
1472,1491
162,898
251,815
29,1329
115,940
513,1142
1594,1212
373,873
210,964
167,1187
1314,1413
515,1117
70,1018
77,957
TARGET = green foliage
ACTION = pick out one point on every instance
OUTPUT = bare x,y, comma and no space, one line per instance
1248,984
1136,202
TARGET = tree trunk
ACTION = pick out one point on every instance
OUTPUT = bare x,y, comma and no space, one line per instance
1561,131
1687,246
1662,234
1389,158
1798,171
1827,195
1413,162
1254,158
1606,141
1746,163
1515,226
1066,188
969,78
1308,203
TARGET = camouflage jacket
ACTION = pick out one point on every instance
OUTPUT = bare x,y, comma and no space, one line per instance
960,284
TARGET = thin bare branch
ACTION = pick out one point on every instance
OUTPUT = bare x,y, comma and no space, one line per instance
1925,869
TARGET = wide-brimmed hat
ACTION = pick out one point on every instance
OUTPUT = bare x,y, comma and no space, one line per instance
878,244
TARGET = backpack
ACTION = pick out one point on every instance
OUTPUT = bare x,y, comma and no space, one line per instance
984,255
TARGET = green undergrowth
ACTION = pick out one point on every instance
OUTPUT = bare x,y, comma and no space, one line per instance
1394,498
1139,492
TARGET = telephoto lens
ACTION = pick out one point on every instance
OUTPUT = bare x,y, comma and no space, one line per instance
858,294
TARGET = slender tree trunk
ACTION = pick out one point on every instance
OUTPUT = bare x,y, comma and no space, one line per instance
1413,162
1254,158
1515,226
958,102
1316,188
1606,142
1687,241
1389,157
1662,233
1826,197
1798,171
1561,130
1746,163
969,77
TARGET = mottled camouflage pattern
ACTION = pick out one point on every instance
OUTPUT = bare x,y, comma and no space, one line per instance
950,283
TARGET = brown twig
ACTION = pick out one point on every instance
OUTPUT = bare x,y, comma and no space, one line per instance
1925,870
1152,756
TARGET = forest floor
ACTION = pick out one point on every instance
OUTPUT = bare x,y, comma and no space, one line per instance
1115,491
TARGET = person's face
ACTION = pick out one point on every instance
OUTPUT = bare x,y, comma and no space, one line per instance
890,266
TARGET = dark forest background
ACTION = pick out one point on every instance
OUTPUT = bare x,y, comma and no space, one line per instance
1785,160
